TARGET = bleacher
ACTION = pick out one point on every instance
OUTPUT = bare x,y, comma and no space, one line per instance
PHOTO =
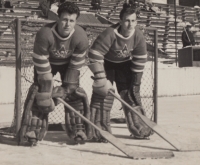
163,20
169,39
19,9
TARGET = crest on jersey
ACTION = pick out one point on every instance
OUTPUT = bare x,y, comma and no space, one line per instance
125,52
62,52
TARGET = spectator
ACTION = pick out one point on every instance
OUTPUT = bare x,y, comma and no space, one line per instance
6,4
187,36
1,3
45,6
96,5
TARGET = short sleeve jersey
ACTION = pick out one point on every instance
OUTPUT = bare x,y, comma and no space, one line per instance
112,46
51,48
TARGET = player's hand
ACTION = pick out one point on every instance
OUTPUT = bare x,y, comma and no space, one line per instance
104,89
44,102
59,92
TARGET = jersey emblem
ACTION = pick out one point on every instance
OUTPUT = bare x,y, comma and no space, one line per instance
62,52
125,52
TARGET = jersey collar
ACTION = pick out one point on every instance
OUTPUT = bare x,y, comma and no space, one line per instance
57,35
121,36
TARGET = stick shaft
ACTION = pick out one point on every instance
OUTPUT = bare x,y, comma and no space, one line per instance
152,125
113,140
76,112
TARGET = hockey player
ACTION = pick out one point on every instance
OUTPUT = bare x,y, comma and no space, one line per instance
118,54
59,47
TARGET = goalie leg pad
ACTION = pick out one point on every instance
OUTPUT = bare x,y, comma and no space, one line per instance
86,107
135,125
135,88
68,124
34,123
100,112
76,127
37,127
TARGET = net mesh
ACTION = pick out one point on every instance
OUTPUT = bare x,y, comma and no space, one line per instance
28,33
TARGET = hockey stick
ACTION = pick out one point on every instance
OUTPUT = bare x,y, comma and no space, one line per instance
172,141
187,34
118,144
151,124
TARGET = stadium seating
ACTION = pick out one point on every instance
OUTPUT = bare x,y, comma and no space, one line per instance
18,9
168,39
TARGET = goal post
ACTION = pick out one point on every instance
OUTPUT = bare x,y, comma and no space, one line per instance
24,32
18,75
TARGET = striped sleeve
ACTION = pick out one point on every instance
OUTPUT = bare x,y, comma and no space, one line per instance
139,56
40,54
95,55
81,44
41,63
100,47
77,60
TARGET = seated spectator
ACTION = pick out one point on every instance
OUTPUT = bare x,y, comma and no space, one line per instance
145,5
6,4
1,3
96,5
187,36
45,5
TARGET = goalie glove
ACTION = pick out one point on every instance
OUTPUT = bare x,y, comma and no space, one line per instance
44,95
71,80
100,85
69,85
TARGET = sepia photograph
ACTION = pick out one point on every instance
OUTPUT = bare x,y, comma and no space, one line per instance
99,82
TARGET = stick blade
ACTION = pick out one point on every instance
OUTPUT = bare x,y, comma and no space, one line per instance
153,155
151,124
190,147
132,154
167,137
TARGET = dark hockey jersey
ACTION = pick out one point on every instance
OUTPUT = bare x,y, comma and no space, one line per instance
112,46
50,48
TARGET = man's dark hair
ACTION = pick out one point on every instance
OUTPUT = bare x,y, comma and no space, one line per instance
68,7
128,9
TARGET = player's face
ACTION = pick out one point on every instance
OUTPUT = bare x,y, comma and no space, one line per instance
128,23
66,23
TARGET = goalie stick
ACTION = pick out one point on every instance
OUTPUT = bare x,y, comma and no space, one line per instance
118,144
164,135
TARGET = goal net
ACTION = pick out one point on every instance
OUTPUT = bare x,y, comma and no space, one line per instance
24,32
